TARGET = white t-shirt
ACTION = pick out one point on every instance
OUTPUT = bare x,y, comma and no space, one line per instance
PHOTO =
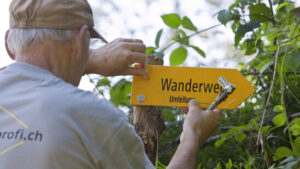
46,123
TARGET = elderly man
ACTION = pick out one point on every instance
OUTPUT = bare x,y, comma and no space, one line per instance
47,122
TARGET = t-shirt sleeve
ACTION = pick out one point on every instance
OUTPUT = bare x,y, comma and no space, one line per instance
124,150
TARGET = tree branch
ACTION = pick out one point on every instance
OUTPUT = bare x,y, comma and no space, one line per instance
193,34
259,137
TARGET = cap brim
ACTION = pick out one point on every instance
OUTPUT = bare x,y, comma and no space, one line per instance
95,34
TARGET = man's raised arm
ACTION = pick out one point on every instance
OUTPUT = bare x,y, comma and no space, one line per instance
198,126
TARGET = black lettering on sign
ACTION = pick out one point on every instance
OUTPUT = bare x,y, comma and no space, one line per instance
208,87
200,86
195,86
179,99
165,84
189,86
216,87
174,86
181,86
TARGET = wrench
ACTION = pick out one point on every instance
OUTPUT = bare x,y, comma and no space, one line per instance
228,88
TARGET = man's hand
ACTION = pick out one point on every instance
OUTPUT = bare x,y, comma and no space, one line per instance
116,57
198,126
200,123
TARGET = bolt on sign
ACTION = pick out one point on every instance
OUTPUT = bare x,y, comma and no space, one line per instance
175,86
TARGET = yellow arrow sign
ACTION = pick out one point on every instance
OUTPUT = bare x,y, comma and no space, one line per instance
175,86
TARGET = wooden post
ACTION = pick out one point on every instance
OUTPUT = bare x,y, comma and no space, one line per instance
148,121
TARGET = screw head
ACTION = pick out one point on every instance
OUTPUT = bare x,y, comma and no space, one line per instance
141,98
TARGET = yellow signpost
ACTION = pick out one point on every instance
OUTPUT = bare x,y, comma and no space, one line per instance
175,86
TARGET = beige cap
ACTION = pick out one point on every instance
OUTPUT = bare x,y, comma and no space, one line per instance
55,14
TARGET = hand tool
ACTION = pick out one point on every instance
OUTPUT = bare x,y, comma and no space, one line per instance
228,88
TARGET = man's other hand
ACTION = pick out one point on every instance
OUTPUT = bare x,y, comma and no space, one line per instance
200,123
116,58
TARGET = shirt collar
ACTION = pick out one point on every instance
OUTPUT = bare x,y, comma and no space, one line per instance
33,70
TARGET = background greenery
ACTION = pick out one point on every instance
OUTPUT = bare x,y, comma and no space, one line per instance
264,132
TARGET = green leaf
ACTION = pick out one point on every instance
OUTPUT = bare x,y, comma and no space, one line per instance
282,5
260,12
296,145
183,38
178,56
103,82
265,129
272,48
168,115
240,137
120,93
219,142
295,127
158,36
200,51
188,24
229,164
250,46
219,165
150,50
224,16
282,152
278,109
264,65
244,28
172,20
293,61
249,163
279,120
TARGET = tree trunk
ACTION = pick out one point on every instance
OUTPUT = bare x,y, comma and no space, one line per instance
148,121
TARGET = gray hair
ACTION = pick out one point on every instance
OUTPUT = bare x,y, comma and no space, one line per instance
21,39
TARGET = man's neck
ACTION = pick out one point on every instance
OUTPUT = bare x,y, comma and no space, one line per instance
56,58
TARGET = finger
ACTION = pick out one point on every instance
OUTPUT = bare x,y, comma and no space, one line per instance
217,113
193,105
137,57
137,72
136,47
128,40
139,65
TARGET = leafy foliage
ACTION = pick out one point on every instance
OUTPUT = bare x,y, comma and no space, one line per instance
178,56
188,24
158,36
172,20
120,93
268,32
224,16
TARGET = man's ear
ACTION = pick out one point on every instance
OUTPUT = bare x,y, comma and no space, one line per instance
80,40
11,55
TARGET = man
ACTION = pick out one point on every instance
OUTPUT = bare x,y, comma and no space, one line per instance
47,122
